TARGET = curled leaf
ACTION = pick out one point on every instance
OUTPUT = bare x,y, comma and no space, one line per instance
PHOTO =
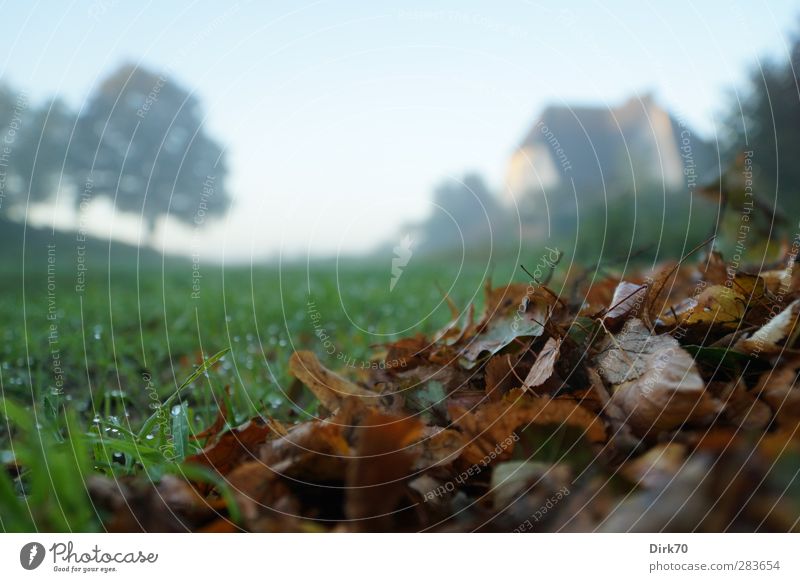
543,367
327,386
624,356
492,426
383,462
517,310
716,305
772,337
668,393
233,446
627,301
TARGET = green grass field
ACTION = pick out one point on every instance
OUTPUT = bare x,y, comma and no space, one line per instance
99,366
93,349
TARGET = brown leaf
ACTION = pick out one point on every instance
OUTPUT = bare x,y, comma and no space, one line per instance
517,310
667,393
234,445
451,376
377,475
624,357
657,386
780,390
251,483
742,408
499,376
407,353
328,387
312,451
627,302
438,447
656,467
716,305
785,440
752,287
599,296
658,288
172,505
783,281
714,269
543,366
492,425
514,479
772,337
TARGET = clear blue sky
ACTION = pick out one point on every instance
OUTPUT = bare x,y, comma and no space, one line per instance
340,117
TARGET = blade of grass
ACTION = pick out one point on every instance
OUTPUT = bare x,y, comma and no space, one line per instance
180,430
202,369
14,517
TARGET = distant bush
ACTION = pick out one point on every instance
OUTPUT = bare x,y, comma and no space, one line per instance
651,224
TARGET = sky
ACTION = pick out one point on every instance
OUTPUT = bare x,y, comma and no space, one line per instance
340,118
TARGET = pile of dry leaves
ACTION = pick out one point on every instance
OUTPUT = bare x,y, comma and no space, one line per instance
664,402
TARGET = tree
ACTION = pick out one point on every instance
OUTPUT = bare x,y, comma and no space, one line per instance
768,124
141,142
40,159
463,208
13,110
33,150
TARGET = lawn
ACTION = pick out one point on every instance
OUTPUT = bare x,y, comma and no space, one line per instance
98,355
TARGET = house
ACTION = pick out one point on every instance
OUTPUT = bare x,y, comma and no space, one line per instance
604,152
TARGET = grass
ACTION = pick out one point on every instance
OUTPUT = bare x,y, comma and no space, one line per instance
114,379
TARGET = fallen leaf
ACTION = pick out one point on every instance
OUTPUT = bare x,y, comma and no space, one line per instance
668,393
543,366
327,386
778,388
427,400
313,451
625,356
407,353
511,312
171,505
627,301
752,287
377,475
438,446
229,449
742,408
493,425
656,467
717,305
515,479
500,376
771,338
